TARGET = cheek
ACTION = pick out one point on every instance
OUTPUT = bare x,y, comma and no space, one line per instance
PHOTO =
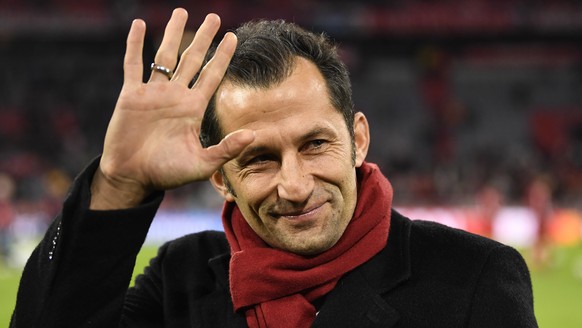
334,167
254,191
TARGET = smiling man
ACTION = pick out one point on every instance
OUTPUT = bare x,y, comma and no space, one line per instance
295,184
310,237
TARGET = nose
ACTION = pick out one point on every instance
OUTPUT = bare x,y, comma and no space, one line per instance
295,182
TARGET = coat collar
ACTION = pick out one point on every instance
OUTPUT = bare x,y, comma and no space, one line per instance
392,265
229,319
357,299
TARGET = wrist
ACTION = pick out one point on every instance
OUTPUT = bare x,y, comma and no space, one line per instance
113,194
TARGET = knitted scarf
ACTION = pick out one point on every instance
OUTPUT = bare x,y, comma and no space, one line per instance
276,288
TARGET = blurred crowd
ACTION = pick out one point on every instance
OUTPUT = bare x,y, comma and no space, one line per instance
454,114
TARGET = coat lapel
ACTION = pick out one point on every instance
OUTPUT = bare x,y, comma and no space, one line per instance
353,303
219,266
358,299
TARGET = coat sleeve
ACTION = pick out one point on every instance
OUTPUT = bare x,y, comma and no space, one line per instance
79,273
503,296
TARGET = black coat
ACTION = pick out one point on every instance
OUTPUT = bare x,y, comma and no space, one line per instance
429,275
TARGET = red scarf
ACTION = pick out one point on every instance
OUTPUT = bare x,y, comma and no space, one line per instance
276,288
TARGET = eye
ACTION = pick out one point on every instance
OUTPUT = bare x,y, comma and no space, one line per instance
259,160
318,142
315,145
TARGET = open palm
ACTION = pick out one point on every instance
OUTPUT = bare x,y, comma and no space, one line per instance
152,140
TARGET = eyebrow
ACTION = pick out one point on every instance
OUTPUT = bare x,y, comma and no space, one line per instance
317,131
260,149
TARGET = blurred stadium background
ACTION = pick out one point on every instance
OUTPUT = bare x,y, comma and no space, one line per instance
475,109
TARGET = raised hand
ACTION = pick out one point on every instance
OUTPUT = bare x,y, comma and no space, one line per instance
152,139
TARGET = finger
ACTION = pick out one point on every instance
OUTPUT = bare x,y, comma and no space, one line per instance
133,62
229,147
213,72
167,54
192,58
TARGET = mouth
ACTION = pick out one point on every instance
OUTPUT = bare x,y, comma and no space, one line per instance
299,214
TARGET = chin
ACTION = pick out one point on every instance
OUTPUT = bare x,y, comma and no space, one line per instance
311,248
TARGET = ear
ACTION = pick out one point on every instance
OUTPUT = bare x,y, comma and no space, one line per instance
361,137
220,183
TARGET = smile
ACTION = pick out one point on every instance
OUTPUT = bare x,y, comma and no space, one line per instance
306,214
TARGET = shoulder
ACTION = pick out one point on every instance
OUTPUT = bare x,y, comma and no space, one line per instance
427,265
423,233
204,244
434,246
185,261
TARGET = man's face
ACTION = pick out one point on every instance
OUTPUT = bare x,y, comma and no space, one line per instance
296,183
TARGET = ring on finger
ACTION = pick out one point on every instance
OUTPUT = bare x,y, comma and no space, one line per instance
162,69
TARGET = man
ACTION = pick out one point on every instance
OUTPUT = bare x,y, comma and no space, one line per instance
310,237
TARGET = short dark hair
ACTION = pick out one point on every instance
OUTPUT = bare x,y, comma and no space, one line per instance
265,56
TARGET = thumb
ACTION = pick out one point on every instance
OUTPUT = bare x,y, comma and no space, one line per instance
230,147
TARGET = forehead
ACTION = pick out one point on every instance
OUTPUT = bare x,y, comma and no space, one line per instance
302,96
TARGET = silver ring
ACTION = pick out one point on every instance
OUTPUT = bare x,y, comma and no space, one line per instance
162,69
